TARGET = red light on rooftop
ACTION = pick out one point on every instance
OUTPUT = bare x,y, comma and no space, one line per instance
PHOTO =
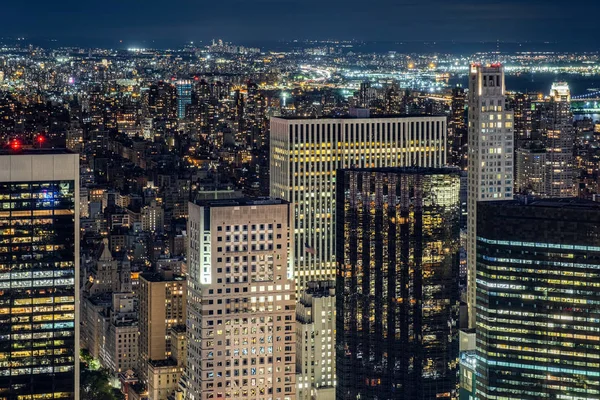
15,144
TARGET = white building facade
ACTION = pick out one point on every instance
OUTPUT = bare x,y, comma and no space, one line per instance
490,164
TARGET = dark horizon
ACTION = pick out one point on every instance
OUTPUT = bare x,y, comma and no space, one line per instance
255,21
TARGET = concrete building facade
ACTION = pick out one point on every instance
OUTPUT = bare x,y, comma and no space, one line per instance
491,153
241,303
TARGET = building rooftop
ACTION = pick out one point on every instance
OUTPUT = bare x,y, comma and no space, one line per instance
32,151
169,362
350,117
572,203
320,288
102,299
121,323
158,277
242,201
406,170
178,328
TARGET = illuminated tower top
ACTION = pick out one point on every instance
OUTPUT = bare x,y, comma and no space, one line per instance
560,91
486,81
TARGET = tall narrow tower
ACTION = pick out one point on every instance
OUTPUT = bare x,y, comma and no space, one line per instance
184,97
559,138
490,164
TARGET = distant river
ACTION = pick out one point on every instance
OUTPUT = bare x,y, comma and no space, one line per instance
541,82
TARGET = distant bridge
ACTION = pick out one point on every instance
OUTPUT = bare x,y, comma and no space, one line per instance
588,103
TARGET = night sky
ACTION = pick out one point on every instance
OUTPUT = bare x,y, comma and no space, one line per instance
176,21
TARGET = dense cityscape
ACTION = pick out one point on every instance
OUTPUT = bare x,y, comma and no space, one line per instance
316,220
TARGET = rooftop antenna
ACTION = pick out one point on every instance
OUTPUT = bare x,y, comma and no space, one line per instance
216,183
497,50
215,168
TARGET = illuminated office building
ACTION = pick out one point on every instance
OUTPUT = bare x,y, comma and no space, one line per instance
538,291
398,239
241,303
521,104
39,275
545,166
457,130
559,140
305,154
531,167
184,96
162,100
490,160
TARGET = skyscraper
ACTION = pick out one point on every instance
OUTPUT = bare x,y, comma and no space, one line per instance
184,96
39,263
457,130
559,139
241,303
305,154
162,100
539,299
531,170
545,164
523,113
254,114
397,290
490,168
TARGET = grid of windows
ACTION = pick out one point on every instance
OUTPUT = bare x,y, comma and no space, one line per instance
490,158
538,300
37,289
241,304
397,299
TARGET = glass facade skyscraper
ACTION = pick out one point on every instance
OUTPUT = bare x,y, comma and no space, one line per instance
184,97
39,273
397,295
538,300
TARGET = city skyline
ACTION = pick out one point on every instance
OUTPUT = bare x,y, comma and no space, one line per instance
260,20
256,217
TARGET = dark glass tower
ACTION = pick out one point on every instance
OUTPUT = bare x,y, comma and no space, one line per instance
184,97
39,240
397,246
538,299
